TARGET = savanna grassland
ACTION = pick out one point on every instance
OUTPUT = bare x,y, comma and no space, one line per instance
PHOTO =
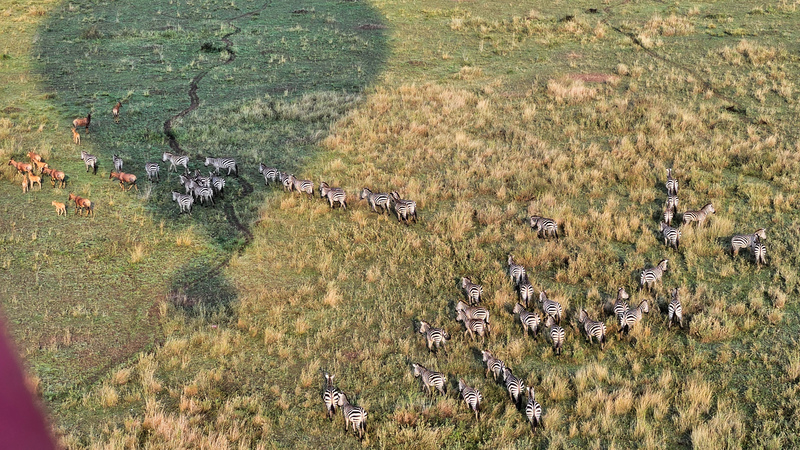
142,327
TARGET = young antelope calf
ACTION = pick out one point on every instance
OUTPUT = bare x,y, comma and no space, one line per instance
35,179
25,183
76,137
115,111
60,208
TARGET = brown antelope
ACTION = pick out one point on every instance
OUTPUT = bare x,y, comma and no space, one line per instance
60,208
25,183
124,178
76,137
81,203
115,111
39,166
83,122
35,179
55,175
33,156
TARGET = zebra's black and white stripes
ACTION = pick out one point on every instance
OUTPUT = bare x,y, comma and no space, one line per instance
175,161
494,365
117,163
653,274
514,385
152,169
473,326
594,329
759,251
669,214
404,209
270,173
434,337
472,397
557,335
515,271
228,164
674,310
473,291
89,161
330,396
353,415
672,184
551,308
334,195
185,201
632,316
672,236
544,226
306,186
203,193
530,320
473,312
533,410
741,241
698,216
376,200
430,379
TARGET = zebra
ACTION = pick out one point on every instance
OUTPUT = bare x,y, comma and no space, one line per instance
530,320
353,415
759,251
306,186
175,161
674,310
375,200
431,379
405,209
473,326
515,386
223,163
545,226
672,202
473,291
698,216
270,173
330,396
593,328
201,180
334,195
551,308
516,271
218,183
472,397
669,214
556,335
204,194
672,184
117,163
494,365
90,161
741,241
188,183
185,201
151,169
672,236
525,290
473,312
434,337
288,182
632,316
533,410
653,274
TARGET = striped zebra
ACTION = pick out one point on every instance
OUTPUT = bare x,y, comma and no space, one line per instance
473,326
472,397
741,241
330,396
515,271
672,203
593,328
545,226
405,209
152,169
204,193
669,214
117,163
376,200
334,195
759,251
533,411
434,337
515,387
672,236
431,379
674,310
353,415
653,274
175,161
672,183
201,180
218,183
89,161
530,320
632,316
494,365
698,216
288,182
525,290
556,335
270,173
223,163
188,183
185,201
306,186
551,308
473,312
473,291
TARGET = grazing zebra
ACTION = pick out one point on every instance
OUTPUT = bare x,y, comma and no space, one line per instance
201,180
621,304
330,396
545,226
185,201
550,307
472,397
653,274
494,365
759,251
741,241
270,173
223,163
515,271
117,163
672,236
473,326
375,200
434,337
218,183
672,183
151,169
632,316
669,214
306,186
674,310
353,415
525,290
90,161
204,194
334,195
473,291
188,183
473,312
431,379
404,209
530,320
698,216
515,386
175,161
533,410
556,335
288,182
672,203
593,328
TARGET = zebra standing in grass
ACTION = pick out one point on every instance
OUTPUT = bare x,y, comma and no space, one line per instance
434,337
472,397
270,173
431,379
632,316
330,396
306,186
228,164
376,200
593,328
515,271
672,236
545,226
669,214
741,241
533,410
204,193
405,209
218,183
152,169
353,415
551,308
672,202
698,216
557,335
175,161
621,304
334,195
530,320
89,161
525,290
473,291
117,163
515,387
188,183
759,251
672,184
653,274
288,182
185,201
473,312
674,310
473,326
494,365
